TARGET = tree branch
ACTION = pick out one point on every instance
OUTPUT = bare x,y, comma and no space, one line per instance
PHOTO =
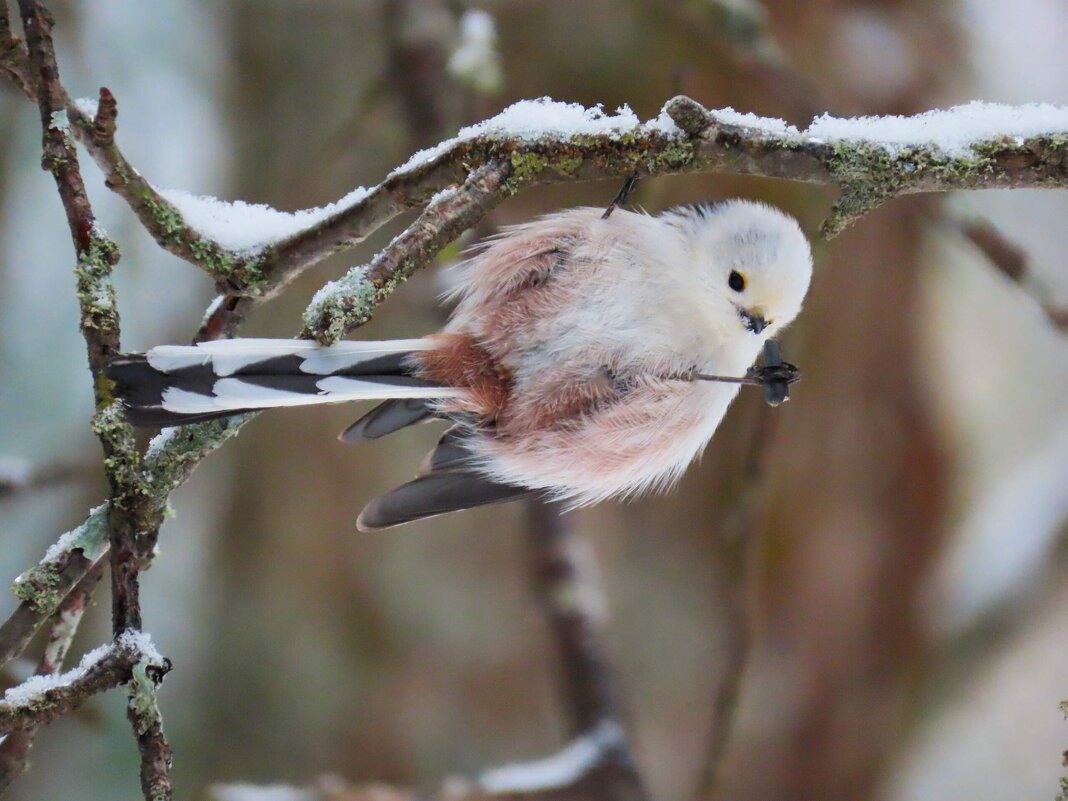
568,589
13,59
17,631
132,519
169,461
740,520
16,746
348,303
1012,261
42,699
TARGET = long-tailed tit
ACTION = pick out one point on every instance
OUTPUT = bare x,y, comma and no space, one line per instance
563,368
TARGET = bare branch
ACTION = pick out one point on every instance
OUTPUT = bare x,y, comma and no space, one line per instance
1013,262
343,305
109,671
13,59
96,253
570,594
134,514
16,746
569,591
143,711
158,215
737,535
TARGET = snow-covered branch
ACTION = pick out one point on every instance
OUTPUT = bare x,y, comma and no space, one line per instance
594,766
345,304
41,699
15,747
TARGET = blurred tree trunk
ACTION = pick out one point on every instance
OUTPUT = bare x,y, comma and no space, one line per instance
858,490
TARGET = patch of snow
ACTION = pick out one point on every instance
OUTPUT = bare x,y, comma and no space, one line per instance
160,441
213,307
351,283
260,792
560,770
141,642
34,686
663,123
444,194
952,130
102,298
76,537
768,125
250,227
87,106
530,120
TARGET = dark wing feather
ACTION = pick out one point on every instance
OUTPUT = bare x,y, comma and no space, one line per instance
449,454
435,494
388,417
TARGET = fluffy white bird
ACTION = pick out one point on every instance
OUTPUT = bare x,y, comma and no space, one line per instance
563,366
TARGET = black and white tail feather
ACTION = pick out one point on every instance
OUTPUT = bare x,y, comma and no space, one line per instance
174,385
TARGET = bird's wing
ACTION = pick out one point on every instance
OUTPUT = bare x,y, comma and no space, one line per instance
385,418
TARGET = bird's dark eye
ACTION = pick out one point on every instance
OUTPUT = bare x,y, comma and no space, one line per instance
736,281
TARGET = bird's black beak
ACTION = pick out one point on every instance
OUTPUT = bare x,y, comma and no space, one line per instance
753,322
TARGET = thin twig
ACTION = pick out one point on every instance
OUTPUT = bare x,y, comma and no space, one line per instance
737,536
16,746
111,670
1013,262
13,59
17,631
350,302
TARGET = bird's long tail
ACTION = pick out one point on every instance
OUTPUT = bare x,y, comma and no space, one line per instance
171,385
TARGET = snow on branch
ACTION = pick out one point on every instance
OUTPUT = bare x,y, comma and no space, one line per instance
345,304
37,586
41,699
567,767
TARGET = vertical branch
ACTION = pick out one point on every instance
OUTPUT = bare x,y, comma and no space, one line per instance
16,746
566,584
737,535
131,531
570,594
12,59
143,711
100,320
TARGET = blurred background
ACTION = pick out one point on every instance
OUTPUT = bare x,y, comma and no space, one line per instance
901,552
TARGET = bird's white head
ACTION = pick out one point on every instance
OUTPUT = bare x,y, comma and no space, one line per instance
753,260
